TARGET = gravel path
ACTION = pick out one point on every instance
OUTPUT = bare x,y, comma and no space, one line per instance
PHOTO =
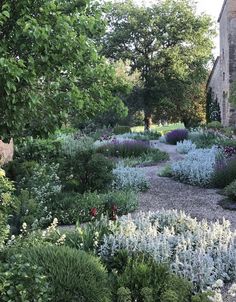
166,193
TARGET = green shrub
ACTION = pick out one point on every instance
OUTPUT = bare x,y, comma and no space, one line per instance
147,294
147,279
204,139
20,281
26,210
89,237
38,149
214,125
230,190
123,295
91,171
73,207
225,173
73,275
6,203
169,296
152,156
69,207
121,129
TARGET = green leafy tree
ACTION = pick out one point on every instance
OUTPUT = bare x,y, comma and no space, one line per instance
50,68
168,43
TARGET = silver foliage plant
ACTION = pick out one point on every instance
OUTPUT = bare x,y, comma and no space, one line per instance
129,178
70,145
198,167
202,252
185,147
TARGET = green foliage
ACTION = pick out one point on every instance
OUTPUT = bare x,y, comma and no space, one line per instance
123,295
169,296
6,203
147,294
91,171
70,207
166,171
50,67
38,150
73,275
151,157
171,71
148,281
214,125
121,129
212,108
89,237
204,139
230,190
21,281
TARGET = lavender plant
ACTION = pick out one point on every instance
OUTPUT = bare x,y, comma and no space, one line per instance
197,168
125,148
202,252
177,135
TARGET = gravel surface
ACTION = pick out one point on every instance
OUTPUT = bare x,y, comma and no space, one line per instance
165,193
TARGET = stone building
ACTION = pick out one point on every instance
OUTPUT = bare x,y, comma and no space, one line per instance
224,70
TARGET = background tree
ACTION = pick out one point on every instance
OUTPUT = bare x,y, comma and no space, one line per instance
169,44
49,65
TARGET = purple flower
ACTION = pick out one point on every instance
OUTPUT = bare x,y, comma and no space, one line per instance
177,135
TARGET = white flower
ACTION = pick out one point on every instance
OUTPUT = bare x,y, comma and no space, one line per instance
232,290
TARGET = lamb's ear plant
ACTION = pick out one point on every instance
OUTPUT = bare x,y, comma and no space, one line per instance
198,167
201,252
185,147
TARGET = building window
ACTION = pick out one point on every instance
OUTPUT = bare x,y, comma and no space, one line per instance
223,76
223,53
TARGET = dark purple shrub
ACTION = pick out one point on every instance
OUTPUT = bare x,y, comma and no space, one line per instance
176,136
229,151
125,148
225,172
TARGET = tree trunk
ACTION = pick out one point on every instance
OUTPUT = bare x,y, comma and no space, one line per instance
147,121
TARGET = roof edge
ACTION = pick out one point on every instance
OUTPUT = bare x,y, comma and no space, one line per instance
212,71
222,10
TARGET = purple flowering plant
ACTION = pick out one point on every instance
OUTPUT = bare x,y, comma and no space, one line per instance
176,136
125,148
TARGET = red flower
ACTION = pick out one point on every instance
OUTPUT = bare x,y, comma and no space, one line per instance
93,212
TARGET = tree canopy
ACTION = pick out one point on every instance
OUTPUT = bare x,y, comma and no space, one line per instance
50,67
169,44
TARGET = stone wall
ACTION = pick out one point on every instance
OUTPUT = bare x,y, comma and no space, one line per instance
224,71
6,152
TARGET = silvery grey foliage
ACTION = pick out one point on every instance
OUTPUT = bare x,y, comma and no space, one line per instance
129,178
70,145
185,147
202,252
197,168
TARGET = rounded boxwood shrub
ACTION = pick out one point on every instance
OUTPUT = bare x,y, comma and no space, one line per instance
177,135
74,276
91,172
